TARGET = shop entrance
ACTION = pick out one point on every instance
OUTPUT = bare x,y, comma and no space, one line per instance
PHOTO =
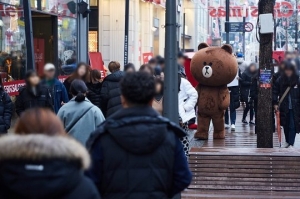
44,28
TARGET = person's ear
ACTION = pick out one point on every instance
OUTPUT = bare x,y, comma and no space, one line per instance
124,102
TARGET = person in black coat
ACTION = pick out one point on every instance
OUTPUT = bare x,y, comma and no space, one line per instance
290,106
110,92
234,104
6,109
138,143
44,167
247,79
94,88
33,94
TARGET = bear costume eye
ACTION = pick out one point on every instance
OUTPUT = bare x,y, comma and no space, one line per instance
210,64
204,64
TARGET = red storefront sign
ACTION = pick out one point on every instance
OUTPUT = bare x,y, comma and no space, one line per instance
96,62
281,9
278,56
147,57
12,88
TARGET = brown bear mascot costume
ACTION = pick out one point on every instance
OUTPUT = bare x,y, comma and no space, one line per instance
213,68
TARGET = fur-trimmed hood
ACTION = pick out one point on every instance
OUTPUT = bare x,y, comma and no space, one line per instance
40,166
42,147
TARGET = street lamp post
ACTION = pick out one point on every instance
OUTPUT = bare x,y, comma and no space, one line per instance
170,103
244,32
296,27
126,34
227,21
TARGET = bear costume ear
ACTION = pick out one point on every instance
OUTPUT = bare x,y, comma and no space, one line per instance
202,45
227,48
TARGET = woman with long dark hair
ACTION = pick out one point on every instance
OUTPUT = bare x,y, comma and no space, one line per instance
6,109
94,87
82,72
79,116
286,99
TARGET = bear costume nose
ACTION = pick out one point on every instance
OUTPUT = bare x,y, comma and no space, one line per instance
206,67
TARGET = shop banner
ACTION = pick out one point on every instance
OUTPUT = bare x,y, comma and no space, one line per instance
147,57
96,62
12,88
278,56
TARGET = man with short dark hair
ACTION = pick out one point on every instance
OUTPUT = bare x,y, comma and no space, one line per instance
136,153
110,100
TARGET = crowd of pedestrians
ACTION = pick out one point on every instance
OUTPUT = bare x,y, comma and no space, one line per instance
95,136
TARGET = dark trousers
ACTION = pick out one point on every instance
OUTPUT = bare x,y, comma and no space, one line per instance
232,114
249,107
289,128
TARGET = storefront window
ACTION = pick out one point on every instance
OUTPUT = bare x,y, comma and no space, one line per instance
93,41
12,42
61,7
67,44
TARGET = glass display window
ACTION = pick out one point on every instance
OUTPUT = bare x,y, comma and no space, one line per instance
12,42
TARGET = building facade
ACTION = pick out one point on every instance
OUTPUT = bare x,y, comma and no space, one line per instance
147,28
34,32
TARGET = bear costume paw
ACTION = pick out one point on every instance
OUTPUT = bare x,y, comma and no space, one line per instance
201,136
219,134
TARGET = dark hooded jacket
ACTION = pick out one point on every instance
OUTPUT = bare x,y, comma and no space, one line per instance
27,99
235,96
43,167
281,84
137,154
111,93
94,92
6,109
247,81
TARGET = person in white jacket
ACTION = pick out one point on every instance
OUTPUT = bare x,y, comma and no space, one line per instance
187,99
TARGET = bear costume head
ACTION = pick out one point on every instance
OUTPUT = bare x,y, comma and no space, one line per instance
214,66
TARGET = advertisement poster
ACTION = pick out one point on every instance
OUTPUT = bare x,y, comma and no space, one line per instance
96,62
147,57
265,78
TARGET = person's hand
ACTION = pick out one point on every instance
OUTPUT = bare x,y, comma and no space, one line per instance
276,108
238,78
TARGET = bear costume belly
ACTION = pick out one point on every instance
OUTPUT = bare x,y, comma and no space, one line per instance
212,104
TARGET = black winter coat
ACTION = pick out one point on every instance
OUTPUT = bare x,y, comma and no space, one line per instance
142,146
111,93
278,89
67,85
247,81
37,174
6,109
26,99
235,96
94,93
